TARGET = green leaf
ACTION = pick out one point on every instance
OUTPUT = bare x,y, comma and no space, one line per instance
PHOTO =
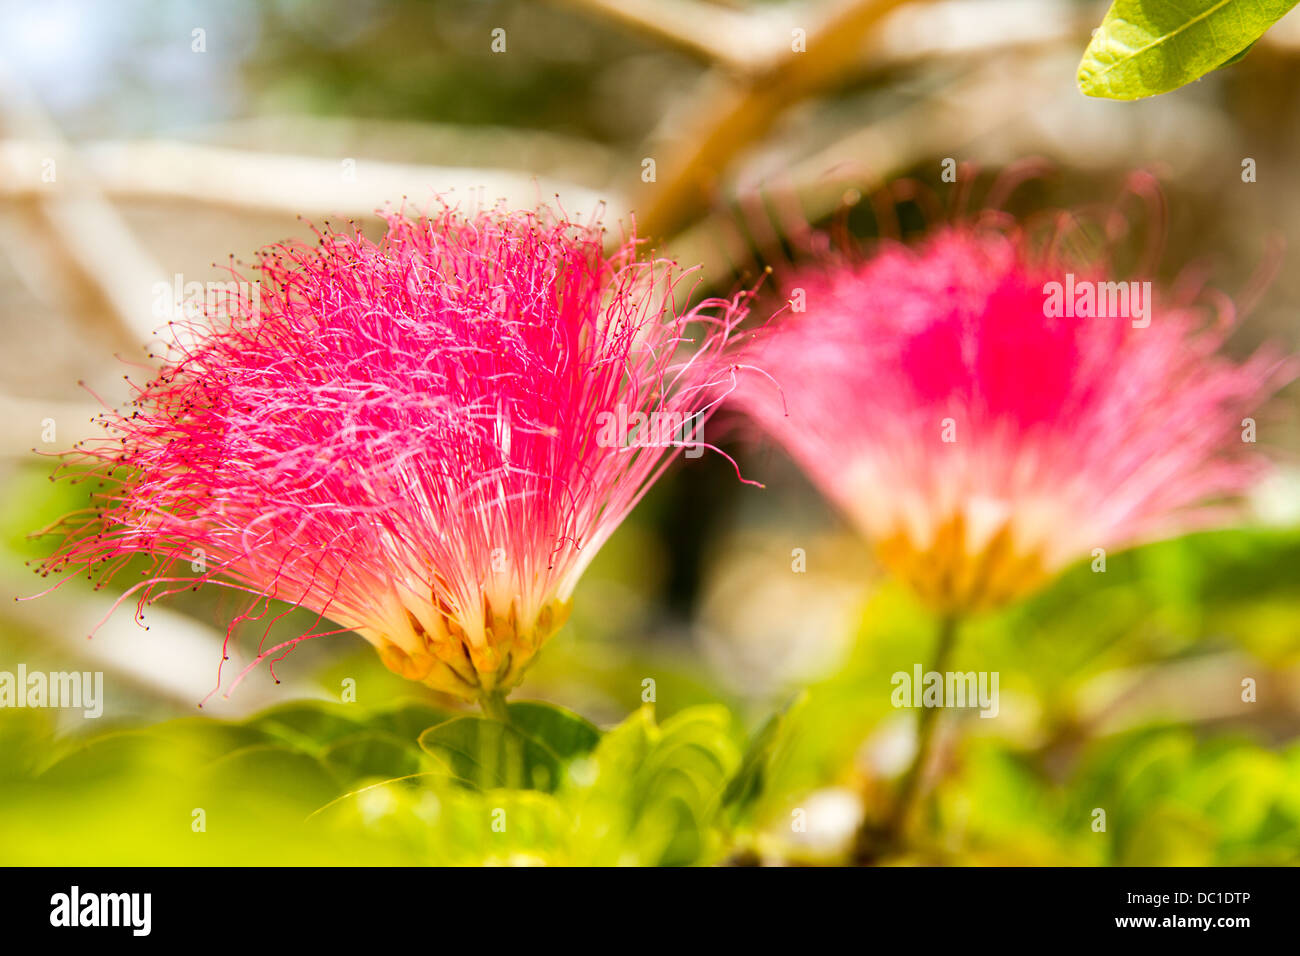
117,755
371,754
1146,47
409,719
748,784
530,752
26,739
656,789
270,773
684,778
562,731
307,725
209,739
694,749
488,754
1236,57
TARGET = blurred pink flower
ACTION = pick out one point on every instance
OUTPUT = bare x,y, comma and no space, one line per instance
981,438
411,439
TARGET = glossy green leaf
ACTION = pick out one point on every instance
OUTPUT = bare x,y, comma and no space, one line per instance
488,754
210,739
26,737
372,754
747,786
308,725
654,791
116,755
562,731
271,773
409,719
1146,47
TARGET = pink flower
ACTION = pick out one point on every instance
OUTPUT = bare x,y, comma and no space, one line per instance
411,439
982,432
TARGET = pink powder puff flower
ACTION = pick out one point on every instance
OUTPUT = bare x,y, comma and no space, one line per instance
411,438
980,438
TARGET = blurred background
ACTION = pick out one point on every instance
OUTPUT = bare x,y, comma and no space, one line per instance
148,142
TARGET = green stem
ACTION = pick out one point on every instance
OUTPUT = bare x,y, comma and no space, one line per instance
493,703
926,722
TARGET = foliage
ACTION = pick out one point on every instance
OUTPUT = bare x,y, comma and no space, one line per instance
324,783
1146,47
411,783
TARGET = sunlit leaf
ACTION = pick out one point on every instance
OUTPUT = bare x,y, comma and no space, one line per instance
489,754
562,731
271,774
409,719
309,725
1145,47
747,785
372,754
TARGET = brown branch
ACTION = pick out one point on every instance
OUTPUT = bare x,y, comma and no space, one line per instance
945,121
91,232
736,112
273,182
715,35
